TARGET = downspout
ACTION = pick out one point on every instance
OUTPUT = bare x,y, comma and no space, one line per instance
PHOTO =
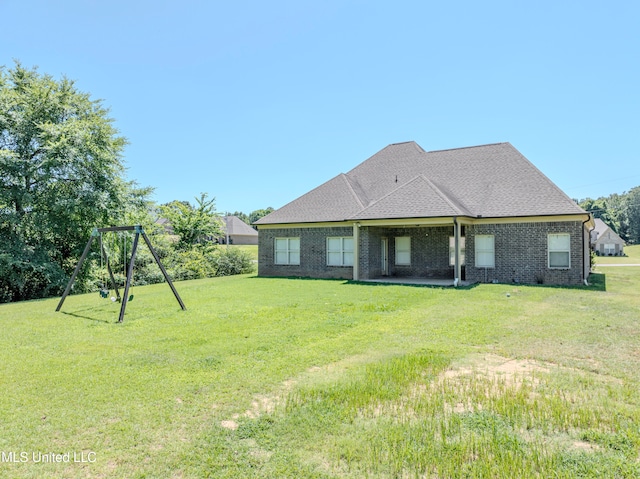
586,240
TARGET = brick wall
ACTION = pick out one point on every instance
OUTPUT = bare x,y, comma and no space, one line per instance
429,251
313,253
521,253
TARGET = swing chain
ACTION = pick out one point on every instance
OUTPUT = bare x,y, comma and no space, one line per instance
104,292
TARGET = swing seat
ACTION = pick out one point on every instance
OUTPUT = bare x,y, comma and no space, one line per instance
131,298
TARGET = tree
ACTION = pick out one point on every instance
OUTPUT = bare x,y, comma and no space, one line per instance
257,214
60,175
239,214
253,216
620,211
193,224
632,210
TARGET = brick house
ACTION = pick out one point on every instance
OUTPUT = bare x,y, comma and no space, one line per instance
477,214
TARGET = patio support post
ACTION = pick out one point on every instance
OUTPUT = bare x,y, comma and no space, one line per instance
457,266
356,251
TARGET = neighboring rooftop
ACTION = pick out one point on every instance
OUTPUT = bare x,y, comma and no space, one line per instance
404,181
599,227
235,226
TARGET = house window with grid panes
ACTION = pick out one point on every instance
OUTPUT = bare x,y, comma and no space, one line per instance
403,250
340,251
485,251
559,247
287,251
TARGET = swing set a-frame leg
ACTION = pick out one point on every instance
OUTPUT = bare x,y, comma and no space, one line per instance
77,270
164,271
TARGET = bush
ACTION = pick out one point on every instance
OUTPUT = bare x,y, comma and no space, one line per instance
199,261
228,261
206,261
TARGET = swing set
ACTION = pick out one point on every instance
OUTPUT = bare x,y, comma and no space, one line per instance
104,258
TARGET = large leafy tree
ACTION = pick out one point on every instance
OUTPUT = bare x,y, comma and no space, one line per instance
253,216
193,224
61,173
620,211
632,204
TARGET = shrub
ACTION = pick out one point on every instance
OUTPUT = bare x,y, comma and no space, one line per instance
206,261
229,261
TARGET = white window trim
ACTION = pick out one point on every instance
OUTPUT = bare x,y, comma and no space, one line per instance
407,251
492,251
452,250
567,250
344,252
288,251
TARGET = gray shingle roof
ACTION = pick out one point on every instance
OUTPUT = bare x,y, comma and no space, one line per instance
599,227
404,181
235,226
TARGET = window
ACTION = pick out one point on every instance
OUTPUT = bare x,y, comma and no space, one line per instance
485,251
403,250
452,250
609,249
559,246
340,251
287,251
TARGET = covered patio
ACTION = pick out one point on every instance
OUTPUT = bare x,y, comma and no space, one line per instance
415,251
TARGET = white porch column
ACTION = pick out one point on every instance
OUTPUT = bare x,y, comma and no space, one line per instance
458,266
356,251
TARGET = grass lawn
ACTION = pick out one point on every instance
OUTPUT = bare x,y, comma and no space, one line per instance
249,248
632,257
269,378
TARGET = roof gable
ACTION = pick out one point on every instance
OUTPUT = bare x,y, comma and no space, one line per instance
416,198
601,228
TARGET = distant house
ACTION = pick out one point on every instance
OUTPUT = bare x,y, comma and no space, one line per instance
605,241
239,232
478,214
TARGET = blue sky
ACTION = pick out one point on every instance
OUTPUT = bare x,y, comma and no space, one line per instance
258,102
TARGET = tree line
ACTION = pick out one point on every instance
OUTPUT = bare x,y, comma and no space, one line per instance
620,211
61,174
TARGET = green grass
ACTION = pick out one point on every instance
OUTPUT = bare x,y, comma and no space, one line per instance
249,248
632,256
309,378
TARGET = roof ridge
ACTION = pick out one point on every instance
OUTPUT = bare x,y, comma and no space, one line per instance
392,192
437,190
469,147
414,143
353,192
442,195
